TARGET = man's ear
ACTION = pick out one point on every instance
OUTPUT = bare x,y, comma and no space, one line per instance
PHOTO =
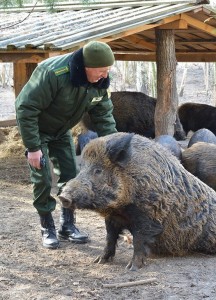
119,149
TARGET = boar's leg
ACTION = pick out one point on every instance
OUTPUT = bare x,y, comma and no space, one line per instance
141,251
144,231
113,230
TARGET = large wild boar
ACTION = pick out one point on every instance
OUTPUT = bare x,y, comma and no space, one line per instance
134,112
194,116
137,185
200,160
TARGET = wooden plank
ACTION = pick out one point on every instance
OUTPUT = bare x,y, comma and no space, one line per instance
129,32
199,25
182,56
25,57
140,43
179,24
195,41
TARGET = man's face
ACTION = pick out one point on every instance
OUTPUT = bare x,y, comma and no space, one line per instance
95,74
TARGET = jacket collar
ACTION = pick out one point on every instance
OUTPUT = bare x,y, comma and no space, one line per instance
78,75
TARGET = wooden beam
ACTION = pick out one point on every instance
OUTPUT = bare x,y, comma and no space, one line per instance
196,57
179,24
195,41
134,40
199,24
180,56
25,56
135,56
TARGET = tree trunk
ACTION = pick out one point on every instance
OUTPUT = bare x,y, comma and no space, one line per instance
167,98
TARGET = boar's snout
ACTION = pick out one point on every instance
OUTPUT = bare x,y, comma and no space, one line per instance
77,194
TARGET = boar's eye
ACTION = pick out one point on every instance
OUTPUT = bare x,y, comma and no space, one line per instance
97,171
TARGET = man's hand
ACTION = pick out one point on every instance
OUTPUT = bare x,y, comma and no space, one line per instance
34,159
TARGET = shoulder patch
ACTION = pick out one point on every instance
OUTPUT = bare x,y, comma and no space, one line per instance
97,99
61,70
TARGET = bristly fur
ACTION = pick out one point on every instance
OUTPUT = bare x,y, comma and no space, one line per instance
165,208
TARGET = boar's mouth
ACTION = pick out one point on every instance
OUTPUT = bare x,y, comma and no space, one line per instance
67,203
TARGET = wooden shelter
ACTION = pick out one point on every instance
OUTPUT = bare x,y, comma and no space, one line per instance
132,28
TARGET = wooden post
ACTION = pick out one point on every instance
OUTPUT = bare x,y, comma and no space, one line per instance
22,73
167,97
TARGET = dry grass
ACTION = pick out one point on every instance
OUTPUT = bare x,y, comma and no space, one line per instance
11,142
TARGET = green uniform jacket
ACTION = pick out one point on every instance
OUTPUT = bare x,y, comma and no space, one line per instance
55,98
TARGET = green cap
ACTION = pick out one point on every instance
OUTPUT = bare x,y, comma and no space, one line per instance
97,55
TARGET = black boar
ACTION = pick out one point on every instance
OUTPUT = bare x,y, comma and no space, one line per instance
137,185
194,116
170,144
202,135
200,160
134,112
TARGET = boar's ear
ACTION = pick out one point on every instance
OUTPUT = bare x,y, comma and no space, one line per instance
119,149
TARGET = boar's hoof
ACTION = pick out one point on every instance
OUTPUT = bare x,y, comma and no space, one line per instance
102,260
131,267
136,263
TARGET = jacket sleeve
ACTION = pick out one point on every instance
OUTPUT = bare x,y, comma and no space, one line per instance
102,117
35,97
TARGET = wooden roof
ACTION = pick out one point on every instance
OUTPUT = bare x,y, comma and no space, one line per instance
129,28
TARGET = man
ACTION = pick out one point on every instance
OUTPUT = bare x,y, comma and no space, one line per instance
54,99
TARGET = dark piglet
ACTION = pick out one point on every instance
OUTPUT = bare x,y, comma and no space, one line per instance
137,185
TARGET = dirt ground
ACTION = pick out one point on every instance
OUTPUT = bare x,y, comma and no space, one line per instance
28,271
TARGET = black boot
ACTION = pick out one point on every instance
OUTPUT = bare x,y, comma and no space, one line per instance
67,230
48,232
